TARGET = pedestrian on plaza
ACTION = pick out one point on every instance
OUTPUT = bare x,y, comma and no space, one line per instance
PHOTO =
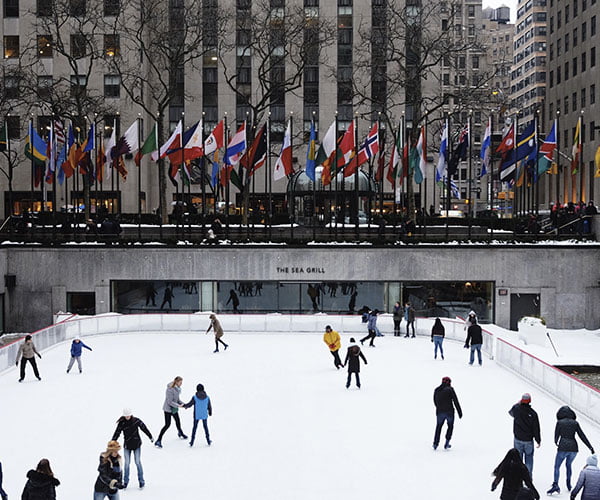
170,409
438,332
371,328
109,480
76,349
41,483
202,410
215,324
514,473
27,353
474,340
397,318
333,341
565,431
168,297
3,495
409,317
445,401
589,480
132,442
526,429
353,356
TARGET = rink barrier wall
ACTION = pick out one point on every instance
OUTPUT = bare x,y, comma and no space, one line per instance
578,395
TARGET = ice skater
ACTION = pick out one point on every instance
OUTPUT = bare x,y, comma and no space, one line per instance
3,494
471,319
170,408
409,317
589,480
333,341
397,318
41,483
514,473
215,324
109,480
445,400
352,360
130,427
76,348
438,333
371,328
526,429
474,340
202,410
27,353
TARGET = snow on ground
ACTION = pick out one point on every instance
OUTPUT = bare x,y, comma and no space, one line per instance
283,426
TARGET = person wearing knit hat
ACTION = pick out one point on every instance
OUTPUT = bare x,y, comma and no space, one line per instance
589,480
353,357
526,429
109,478
77,347
202,410
130,427
445,400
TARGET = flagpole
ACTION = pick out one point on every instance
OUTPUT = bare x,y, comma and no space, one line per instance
424,200
448,180
267,207
514,188
226,141
314,184
139,179
536,179
331,181
270,177
356,177
470,170
581,164
10,169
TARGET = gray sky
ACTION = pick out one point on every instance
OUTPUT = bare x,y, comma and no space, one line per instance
509,3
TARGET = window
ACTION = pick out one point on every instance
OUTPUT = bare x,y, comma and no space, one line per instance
575,37
78,46
111,45
111,8
11,8
44,86
592,94
11,47
593,26
583,103
475,62
592,57
566,104
13,125
77,8
44,43
11,87
583,31
583,62
78,85
566,42
112,86
82,303
592,131
44,8
471,10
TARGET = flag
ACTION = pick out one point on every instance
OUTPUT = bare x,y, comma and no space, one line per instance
440,171
597,162
109,145
216,139
3,137
284,166
525,145
311,152
371,145
236,146
214,178
173,142
256,156
395,159
508,140
380,165
35,149
346,149
419,158
100,161
325,152
90,142
576,150
129,143
546,154
459,153
193,146
150,146
455,192
70,163
486,149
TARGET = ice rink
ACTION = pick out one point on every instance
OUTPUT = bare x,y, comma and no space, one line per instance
283,427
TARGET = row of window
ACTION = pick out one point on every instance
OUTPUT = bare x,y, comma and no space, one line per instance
583,102
571,67
112,86
79,46
44,8
567,12
574,36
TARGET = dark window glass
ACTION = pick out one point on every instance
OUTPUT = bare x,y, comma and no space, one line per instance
111,8
11,47
11,8
44,43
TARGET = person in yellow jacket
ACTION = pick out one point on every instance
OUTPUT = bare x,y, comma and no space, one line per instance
332,339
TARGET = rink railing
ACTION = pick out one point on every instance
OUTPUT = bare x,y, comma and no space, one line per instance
580,396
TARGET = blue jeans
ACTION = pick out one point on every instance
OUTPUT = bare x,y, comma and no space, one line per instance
437,342
560,457
102,496
205,425
138,463
525,449
475,347
441,418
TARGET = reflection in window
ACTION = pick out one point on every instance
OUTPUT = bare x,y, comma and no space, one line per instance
134,297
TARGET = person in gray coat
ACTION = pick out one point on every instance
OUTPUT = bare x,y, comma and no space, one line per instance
589,480
170,408
27,352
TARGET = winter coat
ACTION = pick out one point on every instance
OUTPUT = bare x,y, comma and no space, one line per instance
130,429
352,359
409,314
202,406
372,322
39,486
27,350
565,430
172,400
471,319
107,471
438,331
589,480
216,326
474,335
77,347
445,400
526,425
514,475
397,313
332,339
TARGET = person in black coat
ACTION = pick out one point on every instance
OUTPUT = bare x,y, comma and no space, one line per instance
132,442
438,332
352,360
3,494
526,429
41,483
475,340
514,473
564,438
109,482
445,400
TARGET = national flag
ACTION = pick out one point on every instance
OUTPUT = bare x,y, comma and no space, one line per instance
442,164
546,154
508,141
576,150
524,147
597,162
284,165
455,192
371,145
216,139
347,148
461,148
109,145
236,146
256,156
214,178
193,146
311,152
70,163
35,149
325,153
380,165
395,165
3,137
90,142
173,142
150,146
100,161
419,159
129,143
50,153
486,149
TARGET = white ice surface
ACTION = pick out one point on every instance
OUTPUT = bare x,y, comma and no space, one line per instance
283,427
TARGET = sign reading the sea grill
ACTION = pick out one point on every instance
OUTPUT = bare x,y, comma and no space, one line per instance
300,270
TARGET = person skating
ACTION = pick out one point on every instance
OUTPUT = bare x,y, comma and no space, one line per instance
333,341
202,410
474,340
170,409
371,328
438,333
409,317
76,348
215,324
27,353
445,400
41,483
471,319
565,433
132,442
526,429
109,480
3,494
514,473
589,480
353,356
